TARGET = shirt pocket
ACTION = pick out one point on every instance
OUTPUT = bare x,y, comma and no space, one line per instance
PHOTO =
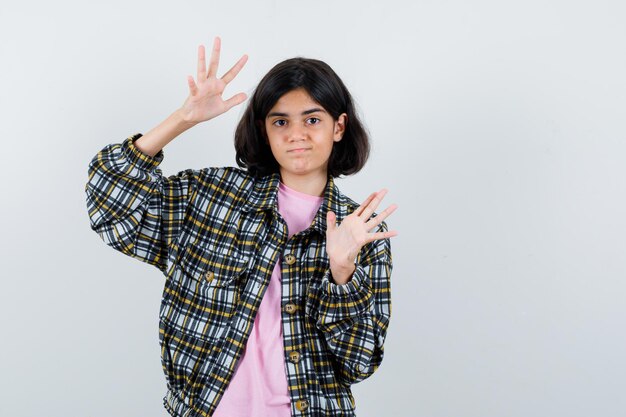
204,291
184,359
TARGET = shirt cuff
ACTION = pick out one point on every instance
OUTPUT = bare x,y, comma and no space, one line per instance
138,158
352,298
330,288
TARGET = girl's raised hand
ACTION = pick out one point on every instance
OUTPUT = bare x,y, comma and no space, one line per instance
344,242
205,96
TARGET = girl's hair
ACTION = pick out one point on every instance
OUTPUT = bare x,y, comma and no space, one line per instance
348,155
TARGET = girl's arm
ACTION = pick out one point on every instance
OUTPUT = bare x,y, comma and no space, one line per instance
131,205
354,317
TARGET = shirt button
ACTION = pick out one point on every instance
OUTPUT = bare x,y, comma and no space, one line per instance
358,368
302,405
290,308
290,259
294,356
209,275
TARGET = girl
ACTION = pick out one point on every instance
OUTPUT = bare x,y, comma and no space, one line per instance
277,291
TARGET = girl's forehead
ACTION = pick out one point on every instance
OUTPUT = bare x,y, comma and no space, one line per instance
295,100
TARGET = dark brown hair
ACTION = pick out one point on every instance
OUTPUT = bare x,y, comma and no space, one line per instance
348,155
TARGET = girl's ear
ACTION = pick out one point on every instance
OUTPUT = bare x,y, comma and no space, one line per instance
340,127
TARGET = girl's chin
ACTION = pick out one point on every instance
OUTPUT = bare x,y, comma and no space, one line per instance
299,170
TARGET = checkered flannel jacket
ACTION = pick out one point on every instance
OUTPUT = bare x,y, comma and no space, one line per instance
216,234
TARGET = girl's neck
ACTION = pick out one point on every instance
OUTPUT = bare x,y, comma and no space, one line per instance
307,184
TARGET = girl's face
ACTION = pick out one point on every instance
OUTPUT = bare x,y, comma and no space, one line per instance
301,134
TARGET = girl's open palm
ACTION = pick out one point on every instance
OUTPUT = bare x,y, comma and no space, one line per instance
344,242
205,96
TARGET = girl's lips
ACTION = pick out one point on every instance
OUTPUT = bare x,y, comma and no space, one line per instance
299,150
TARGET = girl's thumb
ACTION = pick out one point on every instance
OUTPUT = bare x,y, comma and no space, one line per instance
330,220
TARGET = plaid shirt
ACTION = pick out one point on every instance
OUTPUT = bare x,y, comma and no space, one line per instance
216,235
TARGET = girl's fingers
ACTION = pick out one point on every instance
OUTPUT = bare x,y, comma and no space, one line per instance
381,235
232,73
201,64
375,221
367,212
193,89
235,100
215,58
364,204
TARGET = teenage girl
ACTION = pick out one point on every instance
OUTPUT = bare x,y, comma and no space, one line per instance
277,295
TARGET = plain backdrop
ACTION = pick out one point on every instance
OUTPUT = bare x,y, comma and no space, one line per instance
497,127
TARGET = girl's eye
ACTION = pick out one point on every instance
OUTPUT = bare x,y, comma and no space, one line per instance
280,122
314,120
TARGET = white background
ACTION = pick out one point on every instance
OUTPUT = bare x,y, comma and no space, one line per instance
497,126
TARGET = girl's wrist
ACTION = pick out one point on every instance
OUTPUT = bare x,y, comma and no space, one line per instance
182,119
342,275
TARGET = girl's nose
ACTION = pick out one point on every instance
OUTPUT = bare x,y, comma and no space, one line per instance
297,133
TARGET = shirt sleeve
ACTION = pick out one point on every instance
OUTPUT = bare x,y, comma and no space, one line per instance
354,317
132,206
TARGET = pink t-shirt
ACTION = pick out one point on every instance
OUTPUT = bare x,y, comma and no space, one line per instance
259,385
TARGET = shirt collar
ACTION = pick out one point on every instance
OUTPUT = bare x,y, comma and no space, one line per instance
264,196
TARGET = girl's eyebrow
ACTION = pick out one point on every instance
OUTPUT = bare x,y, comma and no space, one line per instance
304,113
